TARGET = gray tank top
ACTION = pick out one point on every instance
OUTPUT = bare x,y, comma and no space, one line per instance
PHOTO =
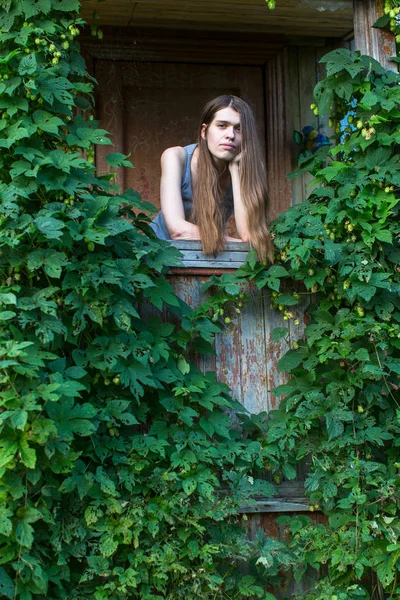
158,224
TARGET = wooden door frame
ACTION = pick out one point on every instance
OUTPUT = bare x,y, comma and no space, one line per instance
230,48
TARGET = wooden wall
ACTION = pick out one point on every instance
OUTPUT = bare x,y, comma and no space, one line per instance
143,79
149,98
304,72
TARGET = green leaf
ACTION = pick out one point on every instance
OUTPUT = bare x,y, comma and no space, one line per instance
232,289
189,486
66,5
291,359
106,484
369,99
5,522
46,121
333,170
118,160
278,333
51,260
382,21
108,545
289,471
27,65
32,8
6,584
19,419
50,227
384,235
187,414
207,426
333,252
28,455
362,354
8,449
24,534
183,366
5,315
287,300
8,298
334,427
277,271
297,137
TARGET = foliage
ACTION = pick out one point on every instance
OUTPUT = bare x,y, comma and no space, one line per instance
121,475
390,18
341,408
121,472
309,141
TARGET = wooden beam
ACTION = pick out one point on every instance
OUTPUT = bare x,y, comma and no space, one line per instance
374,42
193,258
290,498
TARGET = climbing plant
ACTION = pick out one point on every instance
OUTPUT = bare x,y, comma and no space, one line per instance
340,414
121,472
121,475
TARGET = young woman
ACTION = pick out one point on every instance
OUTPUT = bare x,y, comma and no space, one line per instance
204,183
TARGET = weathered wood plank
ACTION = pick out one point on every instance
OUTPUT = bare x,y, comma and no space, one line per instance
228,256
276,506
151,44
196,245
290,17
246,357
229,357
192,256
279,134
189,289
254,367
213,263
377,43
109,110
307,82
295,120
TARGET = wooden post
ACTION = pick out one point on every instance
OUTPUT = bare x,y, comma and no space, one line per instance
374,42
279,135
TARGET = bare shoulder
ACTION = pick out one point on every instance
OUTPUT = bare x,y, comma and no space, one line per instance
174,155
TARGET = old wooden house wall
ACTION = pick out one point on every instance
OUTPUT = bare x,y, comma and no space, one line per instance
149,105
278,81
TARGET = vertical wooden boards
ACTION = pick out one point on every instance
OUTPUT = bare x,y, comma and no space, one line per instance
374,42
302,66
246,355
304,73
151,106
255,393
109,107
308,78
278,134
188,288
295,119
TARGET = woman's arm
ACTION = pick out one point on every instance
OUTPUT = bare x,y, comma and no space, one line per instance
238,206
172,164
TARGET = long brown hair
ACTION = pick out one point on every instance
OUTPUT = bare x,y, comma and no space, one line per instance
208,209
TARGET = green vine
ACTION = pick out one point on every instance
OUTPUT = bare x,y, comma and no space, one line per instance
121,472
121,476
341,408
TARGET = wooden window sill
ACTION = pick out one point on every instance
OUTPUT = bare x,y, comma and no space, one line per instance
197,263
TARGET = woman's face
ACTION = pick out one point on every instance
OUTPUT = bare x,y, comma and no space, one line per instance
223,134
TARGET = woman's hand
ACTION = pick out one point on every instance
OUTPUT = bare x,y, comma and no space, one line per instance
235,162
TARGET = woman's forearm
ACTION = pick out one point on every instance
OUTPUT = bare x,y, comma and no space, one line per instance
184,230
238,206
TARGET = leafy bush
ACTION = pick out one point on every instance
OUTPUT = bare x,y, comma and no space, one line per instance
341,410
121,475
